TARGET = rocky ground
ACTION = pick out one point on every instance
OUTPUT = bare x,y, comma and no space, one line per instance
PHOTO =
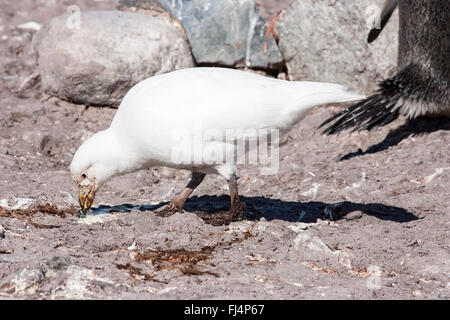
357,216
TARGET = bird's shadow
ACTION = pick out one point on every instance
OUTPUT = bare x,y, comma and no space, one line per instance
414,127
212,209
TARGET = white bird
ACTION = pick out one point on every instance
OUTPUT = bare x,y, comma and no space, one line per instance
183,120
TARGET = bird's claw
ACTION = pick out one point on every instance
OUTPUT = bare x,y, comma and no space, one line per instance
83,213
168,210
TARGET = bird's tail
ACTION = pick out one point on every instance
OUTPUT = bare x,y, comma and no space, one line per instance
321,93
315,94
409,93
339,94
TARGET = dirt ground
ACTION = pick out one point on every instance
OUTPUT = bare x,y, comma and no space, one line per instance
357,216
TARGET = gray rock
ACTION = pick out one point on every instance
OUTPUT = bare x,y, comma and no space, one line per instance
2,232
327,41
312,247
99,61
354,215
24,279
58,263
315,253
226,32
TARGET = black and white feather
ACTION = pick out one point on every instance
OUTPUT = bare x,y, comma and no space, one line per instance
422,86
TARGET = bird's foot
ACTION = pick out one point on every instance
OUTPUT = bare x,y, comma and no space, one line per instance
83,213
170,209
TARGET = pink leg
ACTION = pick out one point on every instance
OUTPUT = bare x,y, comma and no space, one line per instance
177,204
237,206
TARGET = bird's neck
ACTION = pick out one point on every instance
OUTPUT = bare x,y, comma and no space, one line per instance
115,159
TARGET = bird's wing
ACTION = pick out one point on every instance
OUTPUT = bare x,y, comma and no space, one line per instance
222,99
386,12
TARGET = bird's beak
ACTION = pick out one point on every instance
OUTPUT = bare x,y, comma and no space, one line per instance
86,196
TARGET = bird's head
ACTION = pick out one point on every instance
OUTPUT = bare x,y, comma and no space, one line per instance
92,165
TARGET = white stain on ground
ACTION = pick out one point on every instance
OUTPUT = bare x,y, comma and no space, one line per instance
357,184
16,203
312,192
431,177
91,219
77,284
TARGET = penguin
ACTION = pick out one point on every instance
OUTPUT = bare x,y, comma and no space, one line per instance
421,87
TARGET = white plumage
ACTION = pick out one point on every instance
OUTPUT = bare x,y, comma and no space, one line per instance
157,112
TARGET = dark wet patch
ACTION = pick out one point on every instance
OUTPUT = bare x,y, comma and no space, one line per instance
179,259
221,218
164,212
48,209
123,208
187,262
137,273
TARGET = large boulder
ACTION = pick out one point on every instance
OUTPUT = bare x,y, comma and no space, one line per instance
96,61
222,32
327,41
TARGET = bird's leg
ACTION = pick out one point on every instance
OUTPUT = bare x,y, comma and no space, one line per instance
237,206
177,204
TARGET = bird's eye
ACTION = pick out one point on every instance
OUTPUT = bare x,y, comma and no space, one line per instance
83,176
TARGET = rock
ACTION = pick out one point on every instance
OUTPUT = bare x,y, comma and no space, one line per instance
58,263
299,226
270,9
313,249
27,278
226,33
327,41
17,203
97,63
31,26
354,215
2,232
306,242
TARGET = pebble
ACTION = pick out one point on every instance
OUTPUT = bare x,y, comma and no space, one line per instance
2,232
354,215
31,25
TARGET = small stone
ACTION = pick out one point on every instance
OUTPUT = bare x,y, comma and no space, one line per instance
282,76
353,215
27,278
311,247
58,263
413,243
299,227
32,25
2,232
